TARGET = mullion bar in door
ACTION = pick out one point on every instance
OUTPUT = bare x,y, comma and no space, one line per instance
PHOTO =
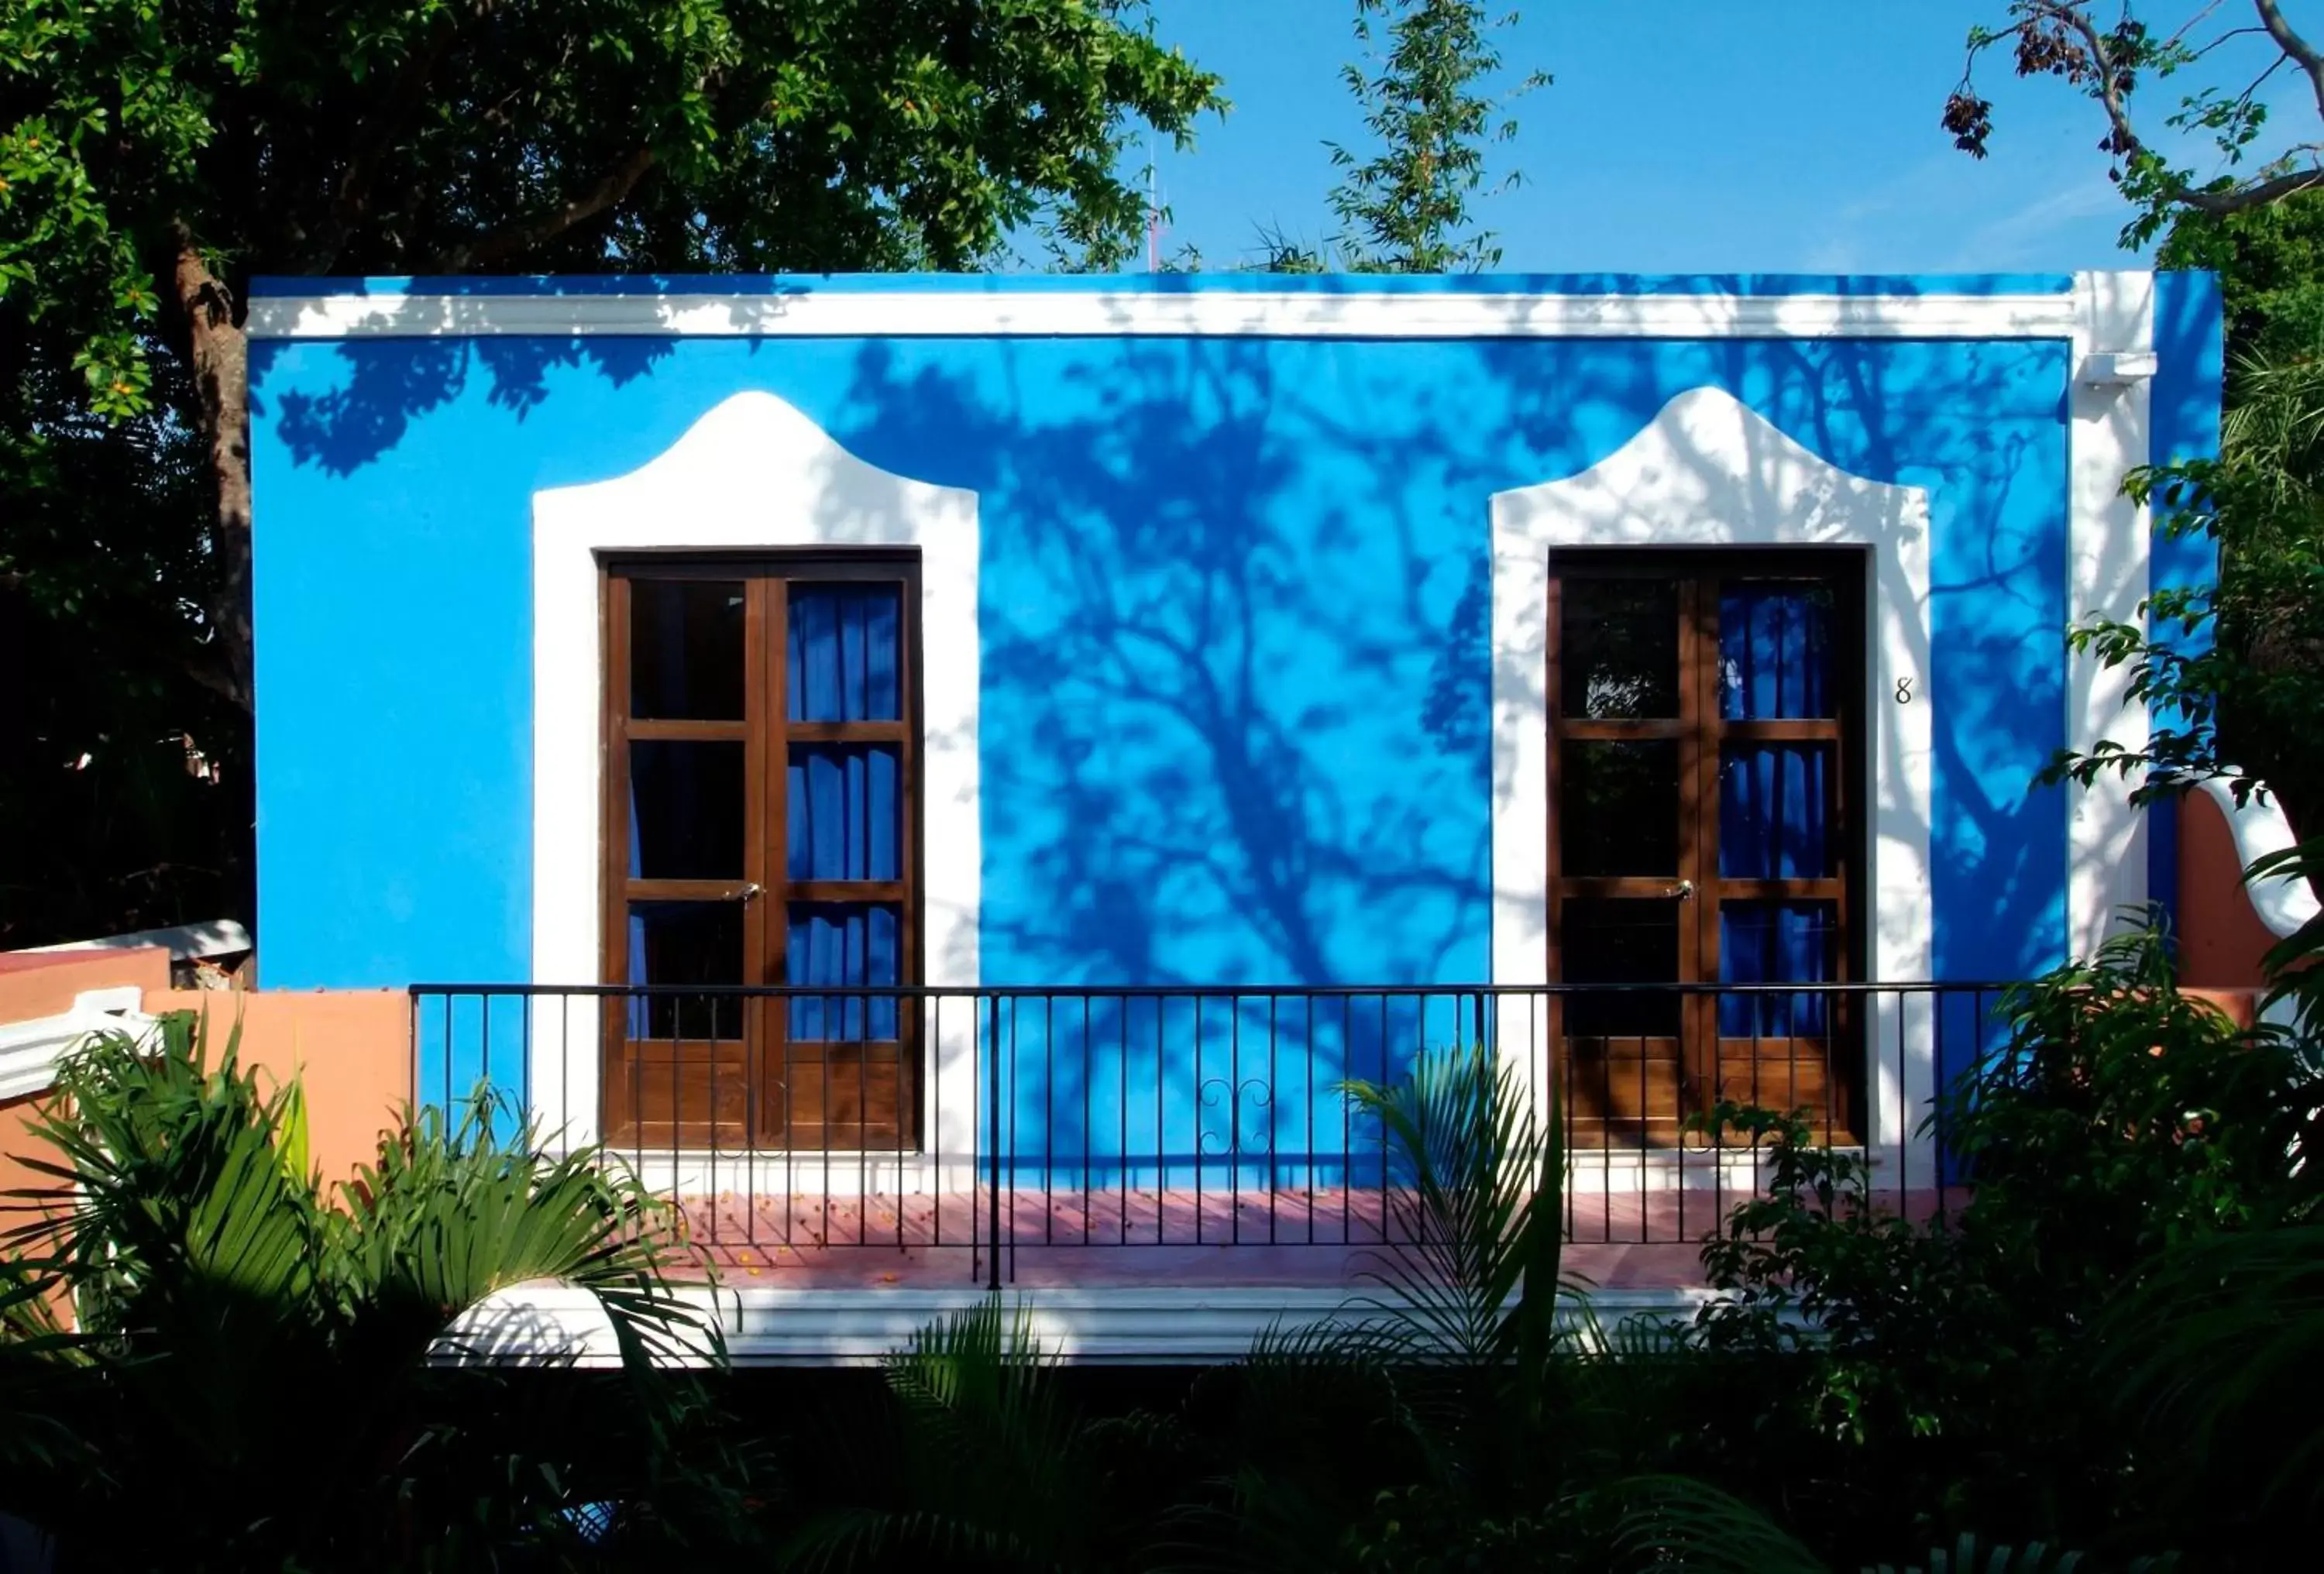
619,1102
1701,1067
912,1042
612,874
1554,706
1690,793
757,623
1846,1020
771,675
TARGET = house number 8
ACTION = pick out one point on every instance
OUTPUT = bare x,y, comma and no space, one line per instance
1903,691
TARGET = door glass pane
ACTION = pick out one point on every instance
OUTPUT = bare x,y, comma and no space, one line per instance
1618,808
846,812
686,943
1777,943
1614,941
1775,650
1775,811
843,652
686,649
687,810
1617,648
844,944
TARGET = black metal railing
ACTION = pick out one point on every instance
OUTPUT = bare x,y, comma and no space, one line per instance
795,1127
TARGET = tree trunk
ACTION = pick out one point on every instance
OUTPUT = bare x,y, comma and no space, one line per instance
218,351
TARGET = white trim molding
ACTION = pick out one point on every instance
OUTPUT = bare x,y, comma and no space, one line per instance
30,1050
2107,572
1156,1325
1709,471
1356,312
183,942
753,473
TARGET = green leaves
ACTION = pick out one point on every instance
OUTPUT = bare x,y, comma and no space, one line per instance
2232,671
215,1287
153,158
2217,1350
1471,1263
1405,208
2008,1365
975,1462
452,1215
1967,1555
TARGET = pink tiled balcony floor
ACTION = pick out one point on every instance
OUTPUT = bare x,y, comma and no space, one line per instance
1087,1239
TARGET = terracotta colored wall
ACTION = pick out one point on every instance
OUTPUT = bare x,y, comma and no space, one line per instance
43,983
15,1121
352,1047
2220,938
35,984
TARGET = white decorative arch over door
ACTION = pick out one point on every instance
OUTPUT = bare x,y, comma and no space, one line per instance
755,474
1708,471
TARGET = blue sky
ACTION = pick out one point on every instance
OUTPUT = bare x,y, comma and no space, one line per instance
1679,137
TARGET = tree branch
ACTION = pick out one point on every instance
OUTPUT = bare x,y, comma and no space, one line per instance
517,238
217,353
2302,52
2109,94
2196,21
2259,194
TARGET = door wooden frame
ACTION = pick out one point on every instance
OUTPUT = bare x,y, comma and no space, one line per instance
1704,1065
762,1053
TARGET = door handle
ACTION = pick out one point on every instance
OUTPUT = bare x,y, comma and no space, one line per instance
745,892
1683,891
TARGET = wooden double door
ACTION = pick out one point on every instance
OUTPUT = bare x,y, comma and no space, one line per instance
762,827
1705,711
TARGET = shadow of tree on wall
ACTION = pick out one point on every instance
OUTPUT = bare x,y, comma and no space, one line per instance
392,383
1171,798
1186,698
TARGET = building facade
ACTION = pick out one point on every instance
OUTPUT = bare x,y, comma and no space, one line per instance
1125,640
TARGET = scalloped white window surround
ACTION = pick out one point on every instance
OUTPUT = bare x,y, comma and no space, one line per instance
1709,471
755,474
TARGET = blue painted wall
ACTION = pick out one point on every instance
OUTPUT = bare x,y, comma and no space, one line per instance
1234,617
2189,340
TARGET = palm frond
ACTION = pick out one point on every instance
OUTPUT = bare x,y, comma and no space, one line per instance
175,1207
983,1464
449,1215
2219,1345
206,1268
1472,1269
1677,1522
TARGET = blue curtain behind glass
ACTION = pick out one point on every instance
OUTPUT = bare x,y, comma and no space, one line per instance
846,806
845,811
843,640
1775,942
1772,811
1774,650
1776,663
842,944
